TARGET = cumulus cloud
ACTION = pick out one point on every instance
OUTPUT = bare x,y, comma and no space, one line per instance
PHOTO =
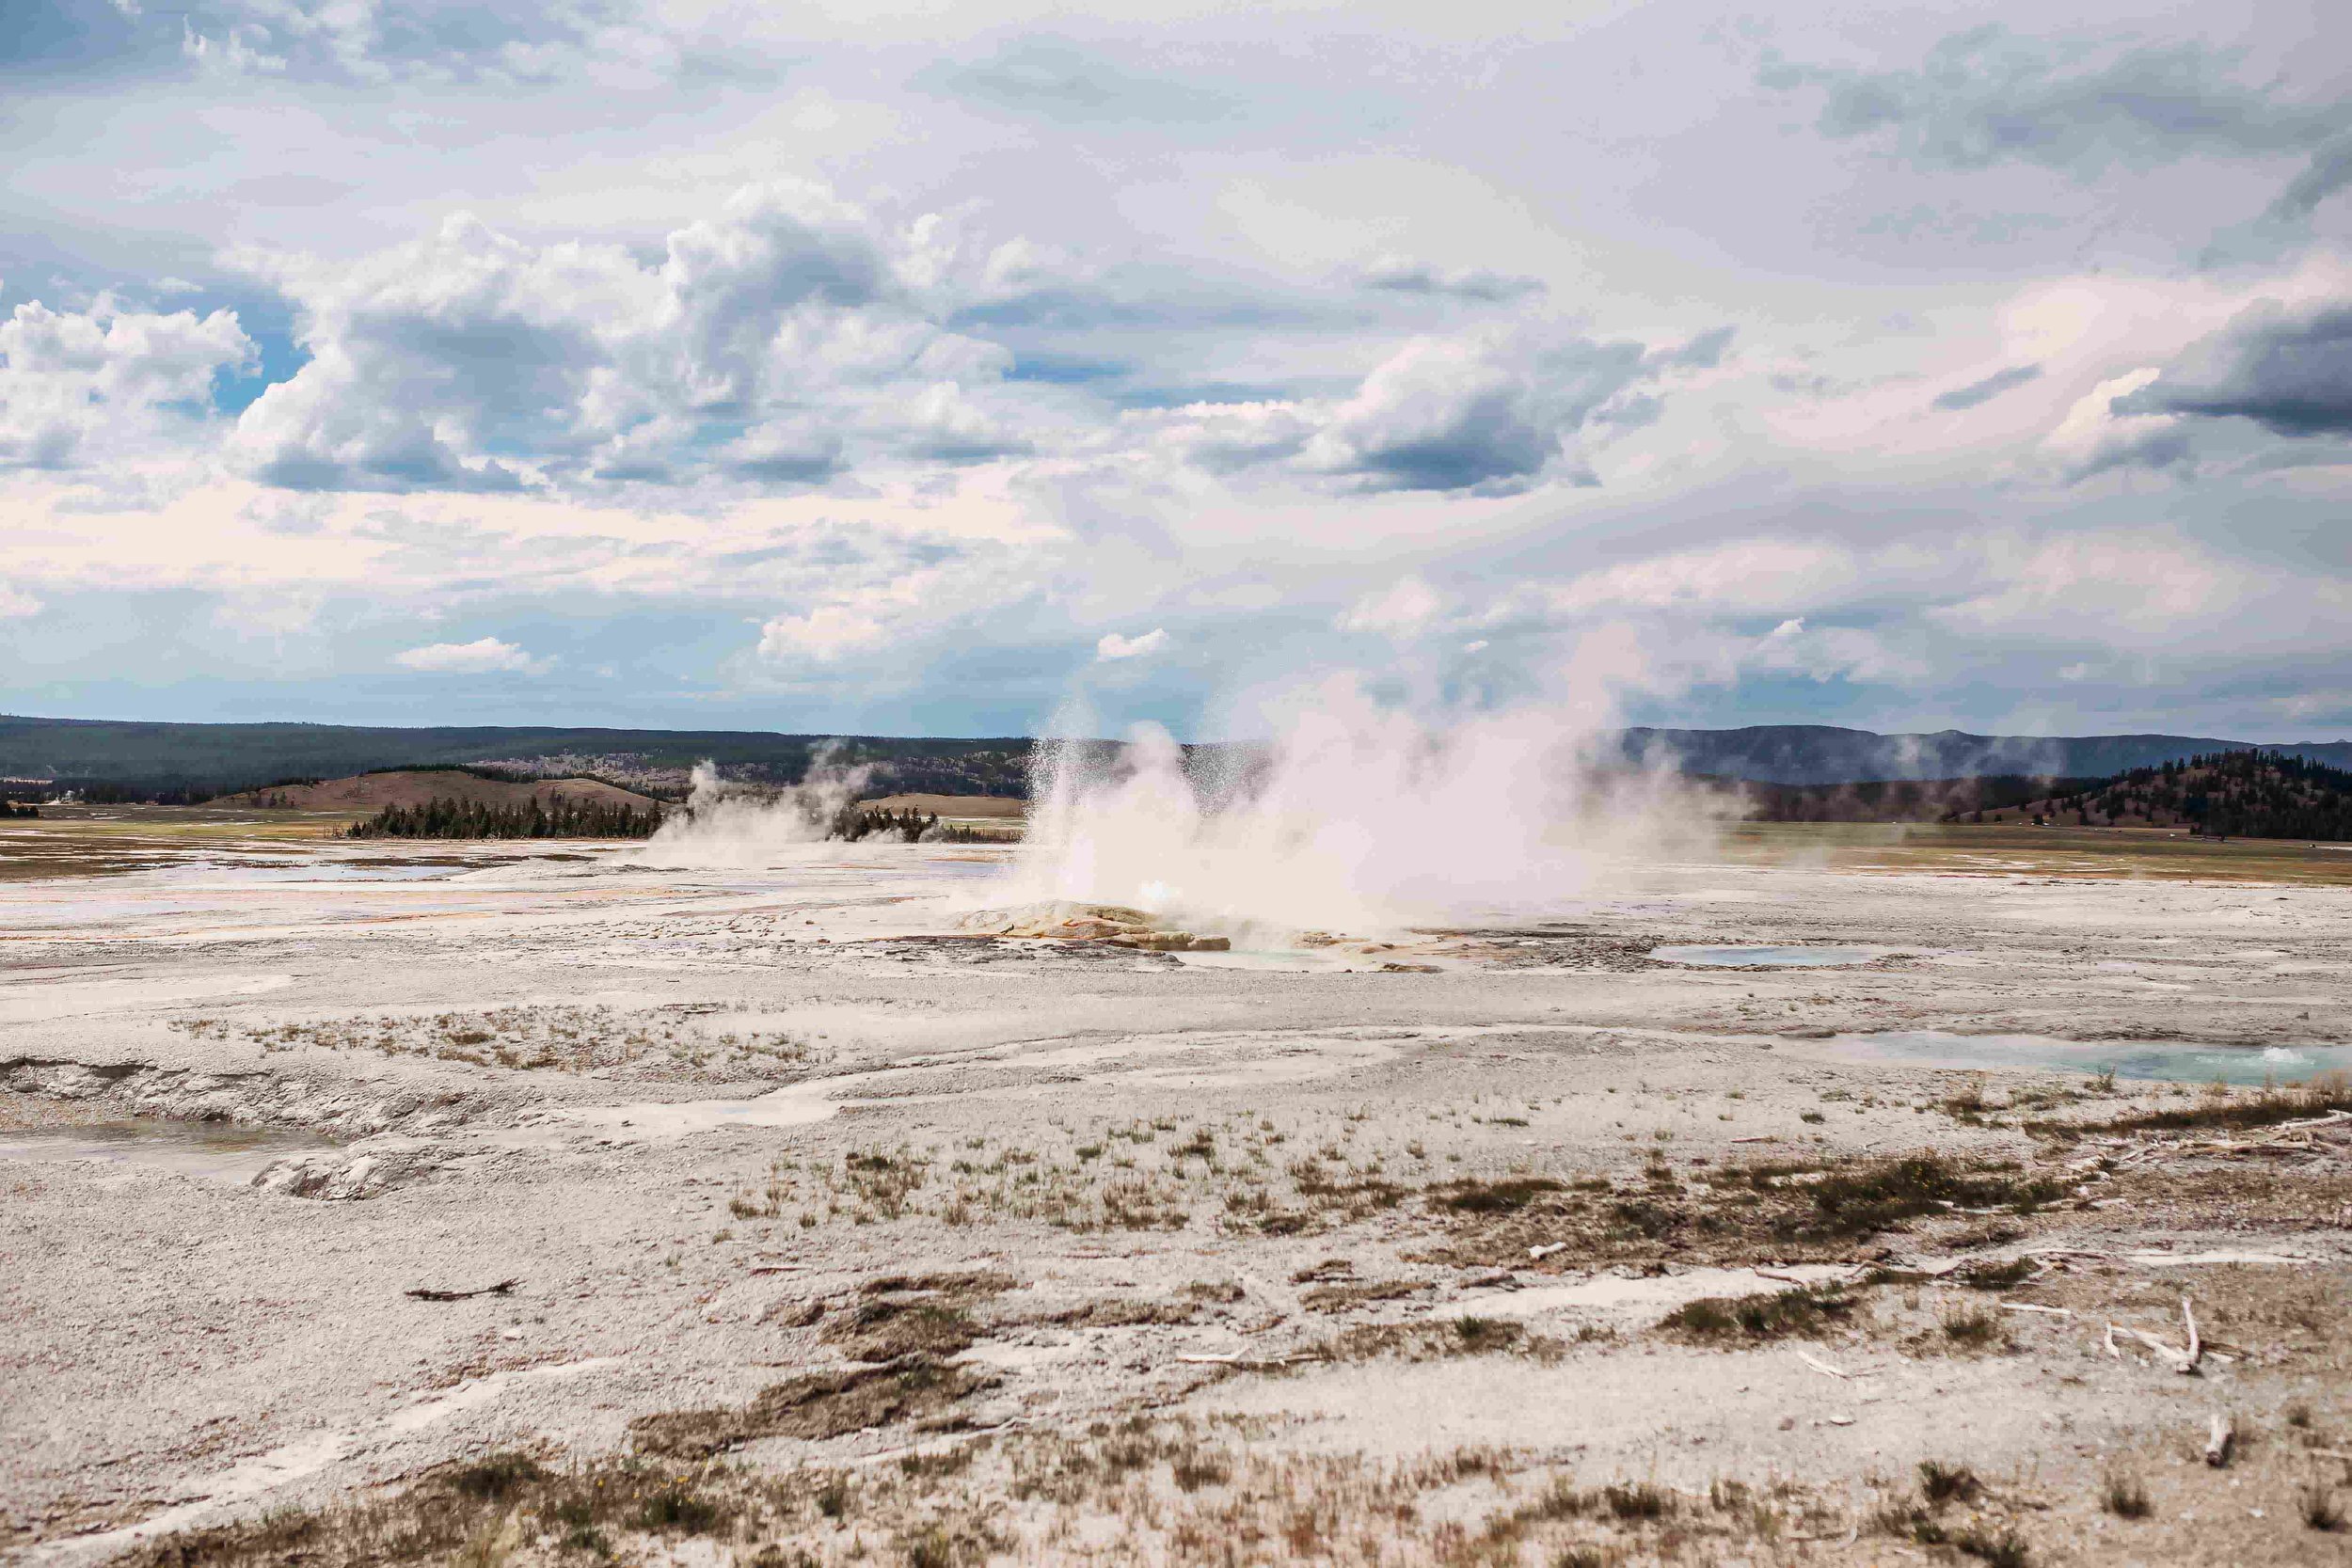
1112,646
484,655
1405,608
81,386
1487,413
822,635
2288,369
770,345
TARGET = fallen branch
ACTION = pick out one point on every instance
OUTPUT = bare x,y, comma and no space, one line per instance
2028,1307
2221,1436
2113,1349
503,1287
1822,1367
2181,1363
2196,1347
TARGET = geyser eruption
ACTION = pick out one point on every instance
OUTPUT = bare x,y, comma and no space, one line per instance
730,826
1356,817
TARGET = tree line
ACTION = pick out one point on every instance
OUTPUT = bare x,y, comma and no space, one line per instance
906,826
563,818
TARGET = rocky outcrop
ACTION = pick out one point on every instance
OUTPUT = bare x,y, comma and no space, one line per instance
250,1098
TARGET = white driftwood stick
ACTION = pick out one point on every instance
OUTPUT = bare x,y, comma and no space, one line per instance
2028,1307
2181,1363
2113,1349
2196,1348
2220,1437
1820,1365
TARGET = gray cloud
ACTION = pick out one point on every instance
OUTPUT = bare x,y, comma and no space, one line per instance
2289,370
1486,287
1990,388
1489,415
1989,96
2329,171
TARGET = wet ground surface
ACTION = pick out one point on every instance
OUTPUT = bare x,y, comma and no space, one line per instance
2148,1060
213,1150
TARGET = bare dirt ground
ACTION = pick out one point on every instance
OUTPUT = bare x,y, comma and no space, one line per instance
514,1207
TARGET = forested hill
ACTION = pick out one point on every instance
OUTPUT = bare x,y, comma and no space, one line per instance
1822,754
2251,794
105,758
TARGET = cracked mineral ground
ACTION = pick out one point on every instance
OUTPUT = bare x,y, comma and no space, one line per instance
1974,1197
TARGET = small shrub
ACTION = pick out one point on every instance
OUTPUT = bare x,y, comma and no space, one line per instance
1768,1315
2125,1497
1506,1197
1480,1335
1941,1483
1973,1330
1637,1500
2320,1510
1194,1471
496,1478
679,1512
1997,1277
2006,1549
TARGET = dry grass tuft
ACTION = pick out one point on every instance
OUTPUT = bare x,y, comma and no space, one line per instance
818,1405
1807,1312
2125,1496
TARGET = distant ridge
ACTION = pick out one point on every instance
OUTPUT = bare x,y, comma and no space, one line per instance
195,760
1823,755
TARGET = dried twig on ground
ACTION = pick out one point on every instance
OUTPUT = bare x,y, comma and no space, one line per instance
503,1287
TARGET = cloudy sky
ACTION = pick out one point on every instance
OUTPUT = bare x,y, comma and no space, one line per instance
910,368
